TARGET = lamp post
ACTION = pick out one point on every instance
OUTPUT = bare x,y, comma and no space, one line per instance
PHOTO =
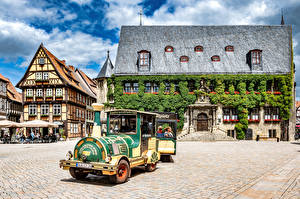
97,121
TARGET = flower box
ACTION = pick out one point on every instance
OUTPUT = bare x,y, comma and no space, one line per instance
226,92
191,93
254,121
213,93
230,120
236,92
272,120
277,93
257,93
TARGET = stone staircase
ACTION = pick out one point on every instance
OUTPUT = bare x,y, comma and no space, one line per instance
205,136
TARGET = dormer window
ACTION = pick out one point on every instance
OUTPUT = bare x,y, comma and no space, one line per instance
144,60
184,59
198,49
229,48
254,59
169,49
215,58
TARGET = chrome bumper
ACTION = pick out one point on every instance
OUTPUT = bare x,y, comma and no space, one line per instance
107,169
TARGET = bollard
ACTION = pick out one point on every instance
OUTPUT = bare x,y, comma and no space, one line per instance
257,138
277,139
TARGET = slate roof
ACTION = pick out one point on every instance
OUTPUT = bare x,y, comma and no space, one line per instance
107,68
274,41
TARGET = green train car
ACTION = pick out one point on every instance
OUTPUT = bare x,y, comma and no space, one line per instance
130,141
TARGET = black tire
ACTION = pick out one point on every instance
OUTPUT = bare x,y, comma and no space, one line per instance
77,174
165,158
151,167
123,172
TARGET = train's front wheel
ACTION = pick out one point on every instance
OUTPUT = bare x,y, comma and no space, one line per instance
122,173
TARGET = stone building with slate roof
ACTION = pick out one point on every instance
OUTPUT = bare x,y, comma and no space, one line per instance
56,92
201,57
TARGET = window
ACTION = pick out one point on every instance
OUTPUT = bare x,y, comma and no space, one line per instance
32,109
234,115
4,87
58,92
148,87
82,114
191,86
38,75
144,57
45,76
135,87
49,92
127,88
198,49
83,99
256,57
45,109
271,113
229,48
122,124
29,92
230,133
71,128
226,113
169,49
41,61
230,114
39,92
184,59
77,113
56,109
155,88
272,133
253,114
167,89
215,58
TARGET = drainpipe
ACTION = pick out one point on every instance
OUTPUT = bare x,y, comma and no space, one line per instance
97,121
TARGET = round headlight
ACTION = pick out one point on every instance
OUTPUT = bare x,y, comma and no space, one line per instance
69,155
108,159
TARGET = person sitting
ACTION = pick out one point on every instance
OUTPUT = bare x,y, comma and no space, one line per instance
159,132
168,132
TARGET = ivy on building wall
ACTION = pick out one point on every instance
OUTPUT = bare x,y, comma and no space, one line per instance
242,92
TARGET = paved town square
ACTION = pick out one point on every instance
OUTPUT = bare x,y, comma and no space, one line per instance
240,169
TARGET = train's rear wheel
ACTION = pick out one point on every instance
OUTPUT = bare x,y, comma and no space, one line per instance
77,174
122,173
151,167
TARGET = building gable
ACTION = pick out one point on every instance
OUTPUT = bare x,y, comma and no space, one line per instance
40,69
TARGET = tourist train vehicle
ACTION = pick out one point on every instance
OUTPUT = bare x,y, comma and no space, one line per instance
130,141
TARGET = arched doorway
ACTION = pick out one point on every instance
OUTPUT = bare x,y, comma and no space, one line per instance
202,122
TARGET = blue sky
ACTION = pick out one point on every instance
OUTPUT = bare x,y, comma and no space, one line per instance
81,31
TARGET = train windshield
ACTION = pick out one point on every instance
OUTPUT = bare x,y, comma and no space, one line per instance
122,124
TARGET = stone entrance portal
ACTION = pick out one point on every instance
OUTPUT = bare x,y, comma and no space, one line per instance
202,122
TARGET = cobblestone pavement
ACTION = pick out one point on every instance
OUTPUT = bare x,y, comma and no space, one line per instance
200,170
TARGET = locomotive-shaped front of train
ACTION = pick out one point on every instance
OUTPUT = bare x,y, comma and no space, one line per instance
98,156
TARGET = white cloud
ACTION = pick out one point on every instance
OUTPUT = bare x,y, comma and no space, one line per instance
18,39
81,2
26,10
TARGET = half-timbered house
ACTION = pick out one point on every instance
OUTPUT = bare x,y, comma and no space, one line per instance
53,91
